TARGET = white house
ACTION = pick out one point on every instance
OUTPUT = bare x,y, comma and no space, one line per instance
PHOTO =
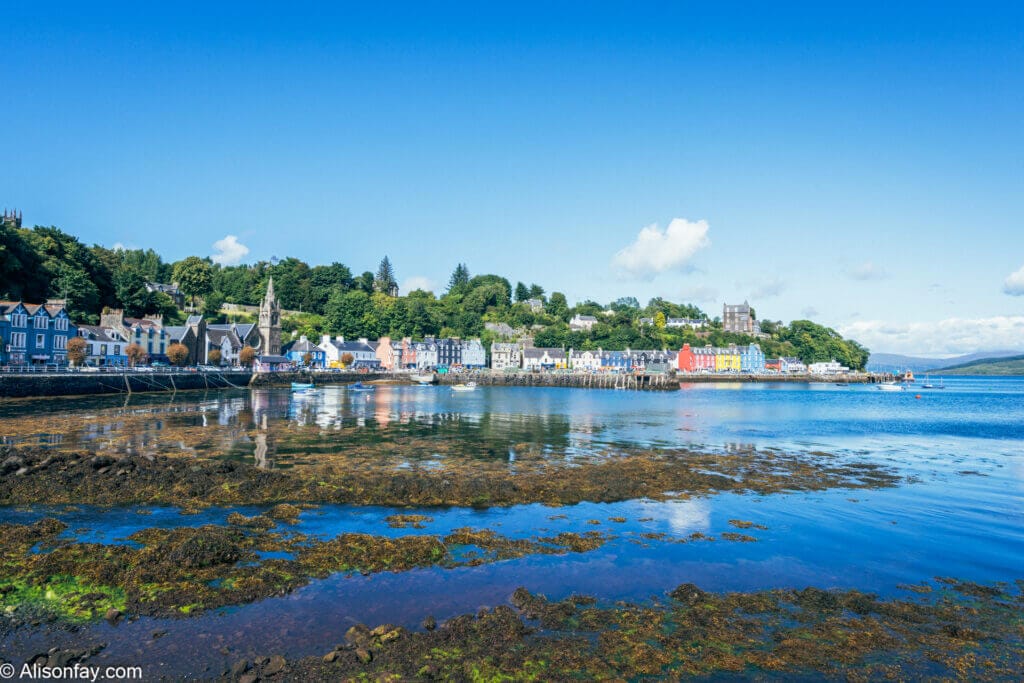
831,367
692,323
536,305
473,354
544,359
585,360
582,323
505,355
791,365
363,355
426,355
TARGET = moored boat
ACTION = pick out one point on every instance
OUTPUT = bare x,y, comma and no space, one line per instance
890,386
359,386
468,386
302,386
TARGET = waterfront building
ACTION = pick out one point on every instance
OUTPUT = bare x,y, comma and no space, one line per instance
35,334
408,353
544,359
737,318
794,365
616,361
773,364
296,353
449,352
727,359
426,354
536,305
363,355
582,323
149,333
474,355
751,358
103,347
831,367
268,363
505,355
585,360
389,356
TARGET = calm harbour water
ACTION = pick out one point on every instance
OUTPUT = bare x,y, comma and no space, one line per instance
957,512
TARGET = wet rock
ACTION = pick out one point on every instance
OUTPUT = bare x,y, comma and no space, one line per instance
206,547
239,668
275,665
10,464
248,678
284,512
100,461
358,634
688,594
330,656
113,616
430,623
364,655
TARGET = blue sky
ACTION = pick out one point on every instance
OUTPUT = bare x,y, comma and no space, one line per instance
860,166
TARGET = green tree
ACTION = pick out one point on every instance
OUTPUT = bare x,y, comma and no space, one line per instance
194,277
522,292
132,295
385,281
558,306
536,292
345,311
365,282
459,279
212,303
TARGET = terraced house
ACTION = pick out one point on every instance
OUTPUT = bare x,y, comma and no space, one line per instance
35,334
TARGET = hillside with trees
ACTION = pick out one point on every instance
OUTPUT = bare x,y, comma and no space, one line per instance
44,262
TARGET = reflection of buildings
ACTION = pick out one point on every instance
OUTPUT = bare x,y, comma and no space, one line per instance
736,448
265,450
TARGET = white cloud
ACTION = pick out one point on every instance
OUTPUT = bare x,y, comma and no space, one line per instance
945,337
229,251
418,282
1014,285
655,251
768,288
868,270
700,294
119,246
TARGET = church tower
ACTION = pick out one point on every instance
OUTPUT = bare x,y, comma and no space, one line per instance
270,323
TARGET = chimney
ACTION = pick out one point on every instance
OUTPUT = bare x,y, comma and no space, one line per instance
325,339
340,339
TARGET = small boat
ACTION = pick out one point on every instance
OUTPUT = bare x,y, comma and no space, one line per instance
890,386
928,383
907,376
359,386
424,378
468,386
302,386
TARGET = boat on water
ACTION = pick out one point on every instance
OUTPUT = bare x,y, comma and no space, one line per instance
423,378
359,386
302,386
928,384
906,376
890,386
468,386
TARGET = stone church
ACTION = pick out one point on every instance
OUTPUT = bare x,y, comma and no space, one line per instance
270,323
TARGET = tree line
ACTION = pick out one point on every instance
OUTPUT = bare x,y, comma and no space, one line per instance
44,262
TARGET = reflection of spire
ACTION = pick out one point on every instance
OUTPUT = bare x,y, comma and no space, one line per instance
264,453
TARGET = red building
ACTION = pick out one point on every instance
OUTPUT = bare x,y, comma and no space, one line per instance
696,360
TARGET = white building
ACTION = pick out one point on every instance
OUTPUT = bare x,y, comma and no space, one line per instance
582,323
832,367
473,354
426,355
585,360
505,355
692,323
791,365
362,353
536,305
544,359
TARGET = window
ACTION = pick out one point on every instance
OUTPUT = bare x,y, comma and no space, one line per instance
40,341
40,322
19,320
117,350
60,342
103,349
18,339
61,324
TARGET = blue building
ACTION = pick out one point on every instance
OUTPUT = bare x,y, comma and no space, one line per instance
616,361
296,352
751,359
34,334
103,347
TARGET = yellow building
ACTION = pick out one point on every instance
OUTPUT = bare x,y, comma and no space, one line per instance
727,360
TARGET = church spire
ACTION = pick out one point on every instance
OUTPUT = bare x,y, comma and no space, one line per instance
270,290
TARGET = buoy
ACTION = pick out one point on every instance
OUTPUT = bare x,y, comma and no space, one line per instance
917,395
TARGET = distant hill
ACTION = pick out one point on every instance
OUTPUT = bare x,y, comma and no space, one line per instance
1014,365
893,362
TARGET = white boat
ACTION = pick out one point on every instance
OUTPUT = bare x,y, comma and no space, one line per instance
468,386
928,383
424,378
890,386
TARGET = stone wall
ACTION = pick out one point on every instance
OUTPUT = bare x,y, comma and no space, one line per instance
17,385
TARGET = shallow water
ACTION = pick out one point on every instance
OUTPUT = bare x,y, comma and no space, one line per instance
957,512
